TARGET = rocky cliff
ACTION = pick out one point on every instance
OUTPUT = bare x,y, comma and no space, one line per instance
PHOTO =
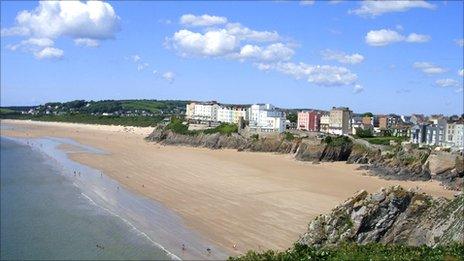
391,215
407,163
396,162
304,149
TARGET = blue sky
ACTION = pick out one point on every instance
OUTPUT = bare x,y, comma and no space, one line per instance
402,57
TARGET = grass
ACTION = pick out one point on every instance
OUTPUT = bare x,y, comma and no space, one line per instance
7,111
177,126
384,140
224,128
351,251
337,141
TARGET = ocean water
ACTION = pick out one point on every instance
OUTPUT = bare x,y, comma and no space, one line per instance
45,216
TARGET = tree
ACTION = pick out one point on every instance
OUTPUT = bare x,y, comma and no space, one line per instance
292,117
368,114
363,133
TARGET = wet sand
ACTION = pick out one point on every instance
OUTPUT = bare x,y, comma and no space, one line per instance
254,200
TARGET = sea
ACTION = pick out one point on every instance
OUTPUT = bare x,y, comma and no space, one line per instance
55,208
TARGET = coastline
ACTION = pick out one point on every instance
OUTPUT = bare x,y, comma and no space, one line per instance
254,200
148,219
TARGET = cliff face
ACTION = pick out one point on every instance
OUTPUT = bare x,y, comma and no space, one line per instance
304,150
391,215
405,163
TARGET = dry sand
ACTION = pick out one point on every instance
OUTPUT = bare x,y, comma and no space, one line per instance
254,200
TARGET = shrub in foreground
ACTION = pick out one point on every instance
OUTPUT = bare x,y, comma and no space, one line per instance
351,251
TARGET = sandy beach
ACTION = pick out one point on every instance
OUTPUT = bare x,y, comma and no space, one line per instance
253,200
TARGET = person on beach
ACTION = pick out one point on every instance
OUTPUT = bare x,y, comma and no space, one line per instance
208,250
235,246
183,247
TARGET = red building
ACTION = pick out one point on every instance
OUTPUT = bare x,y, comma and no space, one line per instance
309,121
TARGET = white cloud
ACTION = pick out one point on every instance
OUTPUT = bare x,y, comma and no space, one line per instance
86,42
212,43
92,21
376,8
246,34
135,58
49,52
461,72
323,75
429,68
273,52
358,88
203,20
169,76
307,2
459,42
386,36
31,44
142,66
155,72
342,57
447,82
383,37
459,90
417,38
237,42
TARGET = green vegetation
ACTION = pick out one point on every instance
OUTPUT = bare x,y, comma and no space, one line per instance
224,128
384,140
351,251
153,106
292,117
140,121
289,136
337,141
363,133
255,137
5,111
368,114
177,126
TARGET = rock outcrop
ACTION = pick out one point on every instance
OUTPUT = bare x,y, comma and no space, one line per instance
305,150
405,163
391,215
396,162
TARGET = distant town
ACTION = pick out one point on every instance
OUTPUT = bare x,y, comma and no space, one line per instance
438,131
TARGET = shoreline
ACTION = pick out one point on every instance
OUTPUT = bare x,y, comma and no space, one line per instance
110,196
255,200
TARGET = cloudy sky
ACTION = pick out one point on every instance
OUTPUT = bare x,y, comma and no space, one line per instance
385,56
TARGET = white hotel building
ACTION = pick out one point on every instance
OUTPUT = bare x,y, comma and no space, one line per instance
265,118
202,111
231,114
262,117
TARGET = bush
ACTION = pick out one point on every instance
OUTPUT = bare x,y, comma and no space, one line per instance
351,251
176,126
224,128
289,136
337,141
255,137
363,133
